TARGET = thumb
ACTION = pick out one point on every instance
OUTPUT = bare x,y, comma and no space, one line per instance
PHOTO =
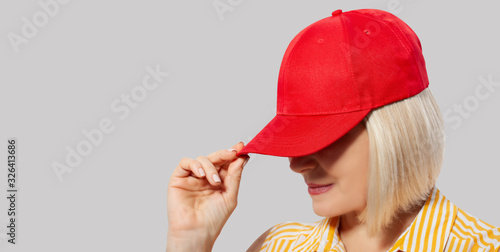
233,177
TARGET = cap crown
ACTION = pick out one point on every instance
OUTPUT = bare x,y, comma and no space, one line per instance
350,61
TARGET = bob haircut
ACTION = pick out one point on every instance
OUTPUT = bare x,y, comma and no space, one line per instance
406,146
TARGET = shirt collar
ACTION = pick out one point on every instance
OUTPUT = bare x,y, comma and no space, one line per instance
432,226
428,232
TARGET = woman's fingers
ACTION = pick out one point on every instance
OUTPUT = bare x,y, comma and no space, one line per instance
222,157
209,167
233,177
210,171
188,166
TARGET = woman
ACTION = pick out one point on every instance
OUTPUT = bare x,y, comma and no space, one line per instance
356,119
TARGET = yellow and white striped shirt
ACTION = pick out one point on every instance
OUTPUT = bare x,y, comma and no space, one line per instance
439,226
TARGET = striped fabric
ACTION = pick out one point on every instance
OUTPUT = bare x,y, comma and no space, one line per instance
439,226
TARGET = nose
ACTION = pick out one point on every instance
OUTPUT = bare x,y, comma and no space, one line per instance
302,164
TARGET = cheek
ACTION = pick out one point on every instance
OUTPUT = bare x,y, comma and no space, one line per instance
356,188
349,170
352,177
356,182
347,195
349,192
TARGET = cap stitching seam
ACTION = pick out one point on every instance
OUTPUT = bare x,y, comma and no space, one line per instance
407,50
386,24
397,36
348,58
413,57
287,64
328,112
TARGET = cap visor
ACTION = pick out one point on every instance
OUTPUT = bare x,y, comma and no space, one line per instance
293,136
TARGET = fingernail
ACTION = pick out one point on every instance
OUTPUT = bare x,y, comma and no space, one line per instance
216,178
202,173
245,162
232,150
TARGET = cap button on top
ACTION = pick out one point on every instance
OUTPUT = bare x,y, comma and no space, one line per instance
336,12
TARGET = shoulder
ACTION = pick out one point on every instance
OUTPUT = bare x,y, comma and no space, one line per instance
283,233
257,244
471,232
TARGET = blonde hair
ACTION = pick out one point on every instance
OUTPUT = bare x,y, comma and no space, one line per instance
406,153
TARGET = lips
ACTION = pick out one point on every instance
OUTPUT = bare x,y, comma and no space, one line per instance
315,189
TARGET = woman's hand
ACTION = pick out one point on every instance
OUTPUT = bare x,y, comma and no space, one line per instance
202,194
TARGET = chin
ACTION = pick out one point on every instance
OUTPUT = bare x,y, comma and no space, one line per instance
325,210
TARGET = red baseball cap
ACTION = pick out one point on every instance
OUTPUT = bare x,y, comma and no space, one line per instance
334,72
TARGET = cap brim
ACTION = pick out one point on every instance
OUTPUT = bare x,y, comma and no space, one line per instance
296,135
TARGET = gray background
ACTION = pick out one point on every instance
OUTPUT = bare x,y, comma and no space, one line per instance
221,89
